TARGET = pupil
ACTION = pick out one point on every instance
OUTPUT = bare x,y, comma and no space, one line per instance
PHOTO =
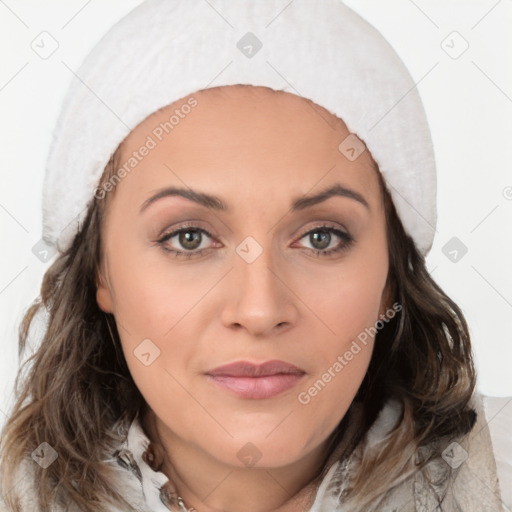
190,239
320,239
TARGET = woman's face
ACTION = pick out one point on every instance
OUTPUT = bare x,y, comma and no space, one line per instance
221,246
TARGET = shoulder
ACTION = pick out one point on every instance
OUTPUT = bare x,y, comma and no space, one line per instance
499,419
122,479
461,477
476,486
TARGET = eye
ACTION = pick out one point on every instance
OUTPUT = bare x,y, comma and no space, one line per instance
190,241
327,240
186,241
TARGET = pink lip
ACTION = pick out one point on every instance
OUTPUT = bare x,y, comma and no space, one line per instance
256,381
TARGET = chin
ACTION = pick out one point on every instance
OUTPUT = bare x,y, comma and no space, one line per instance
261,451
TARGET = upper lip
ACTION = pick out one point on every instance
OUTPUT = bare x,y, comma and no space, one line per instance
248,369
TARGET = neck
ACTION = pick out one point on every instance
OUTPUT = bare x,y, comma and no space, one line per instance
208,485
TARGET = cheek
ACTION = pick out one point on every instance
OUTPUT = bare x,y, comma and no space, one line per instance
355,306
340,358
153,292
159,311
349,300
342,348
156,320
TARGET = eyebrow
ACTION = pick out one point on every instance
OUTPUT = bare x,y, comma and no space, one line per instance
216,203
207,200
335,190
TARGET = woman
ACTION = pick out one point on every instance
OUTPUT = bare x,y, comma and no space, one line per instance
240,317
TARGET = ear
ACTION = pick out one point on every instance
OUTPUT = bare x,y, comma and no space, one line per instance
104,291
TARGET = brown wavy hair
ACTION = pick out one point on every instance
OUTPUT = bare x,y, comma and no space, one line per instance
75,390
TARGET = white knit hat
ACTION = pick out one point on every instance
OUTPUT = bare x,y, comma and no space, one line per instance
165,50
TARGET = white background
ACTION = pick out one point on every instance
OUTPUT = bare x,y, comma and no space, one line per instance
468,102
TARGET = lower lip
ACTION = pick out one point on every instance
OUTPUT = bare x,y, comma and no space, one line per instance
258,387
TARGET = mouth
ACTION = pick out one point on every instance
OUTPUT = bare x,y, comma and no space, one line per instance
256,381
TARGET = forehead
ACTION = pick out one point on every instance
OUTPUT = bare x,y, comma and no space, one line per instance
247,138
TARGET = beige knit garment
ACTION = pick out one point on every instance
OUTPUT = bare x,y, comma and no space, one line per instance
463,480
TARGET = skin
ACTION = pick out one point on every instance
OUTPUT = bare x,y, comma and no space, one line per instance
257,150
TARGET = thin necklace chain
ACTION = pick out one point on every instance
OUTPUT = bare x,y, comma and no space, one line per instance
183,507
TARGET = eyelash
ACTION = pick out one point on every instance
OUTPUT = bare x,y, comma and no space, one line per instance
347,239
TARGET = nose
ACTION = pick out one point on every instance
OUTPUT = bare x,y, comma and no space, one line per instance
259,299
